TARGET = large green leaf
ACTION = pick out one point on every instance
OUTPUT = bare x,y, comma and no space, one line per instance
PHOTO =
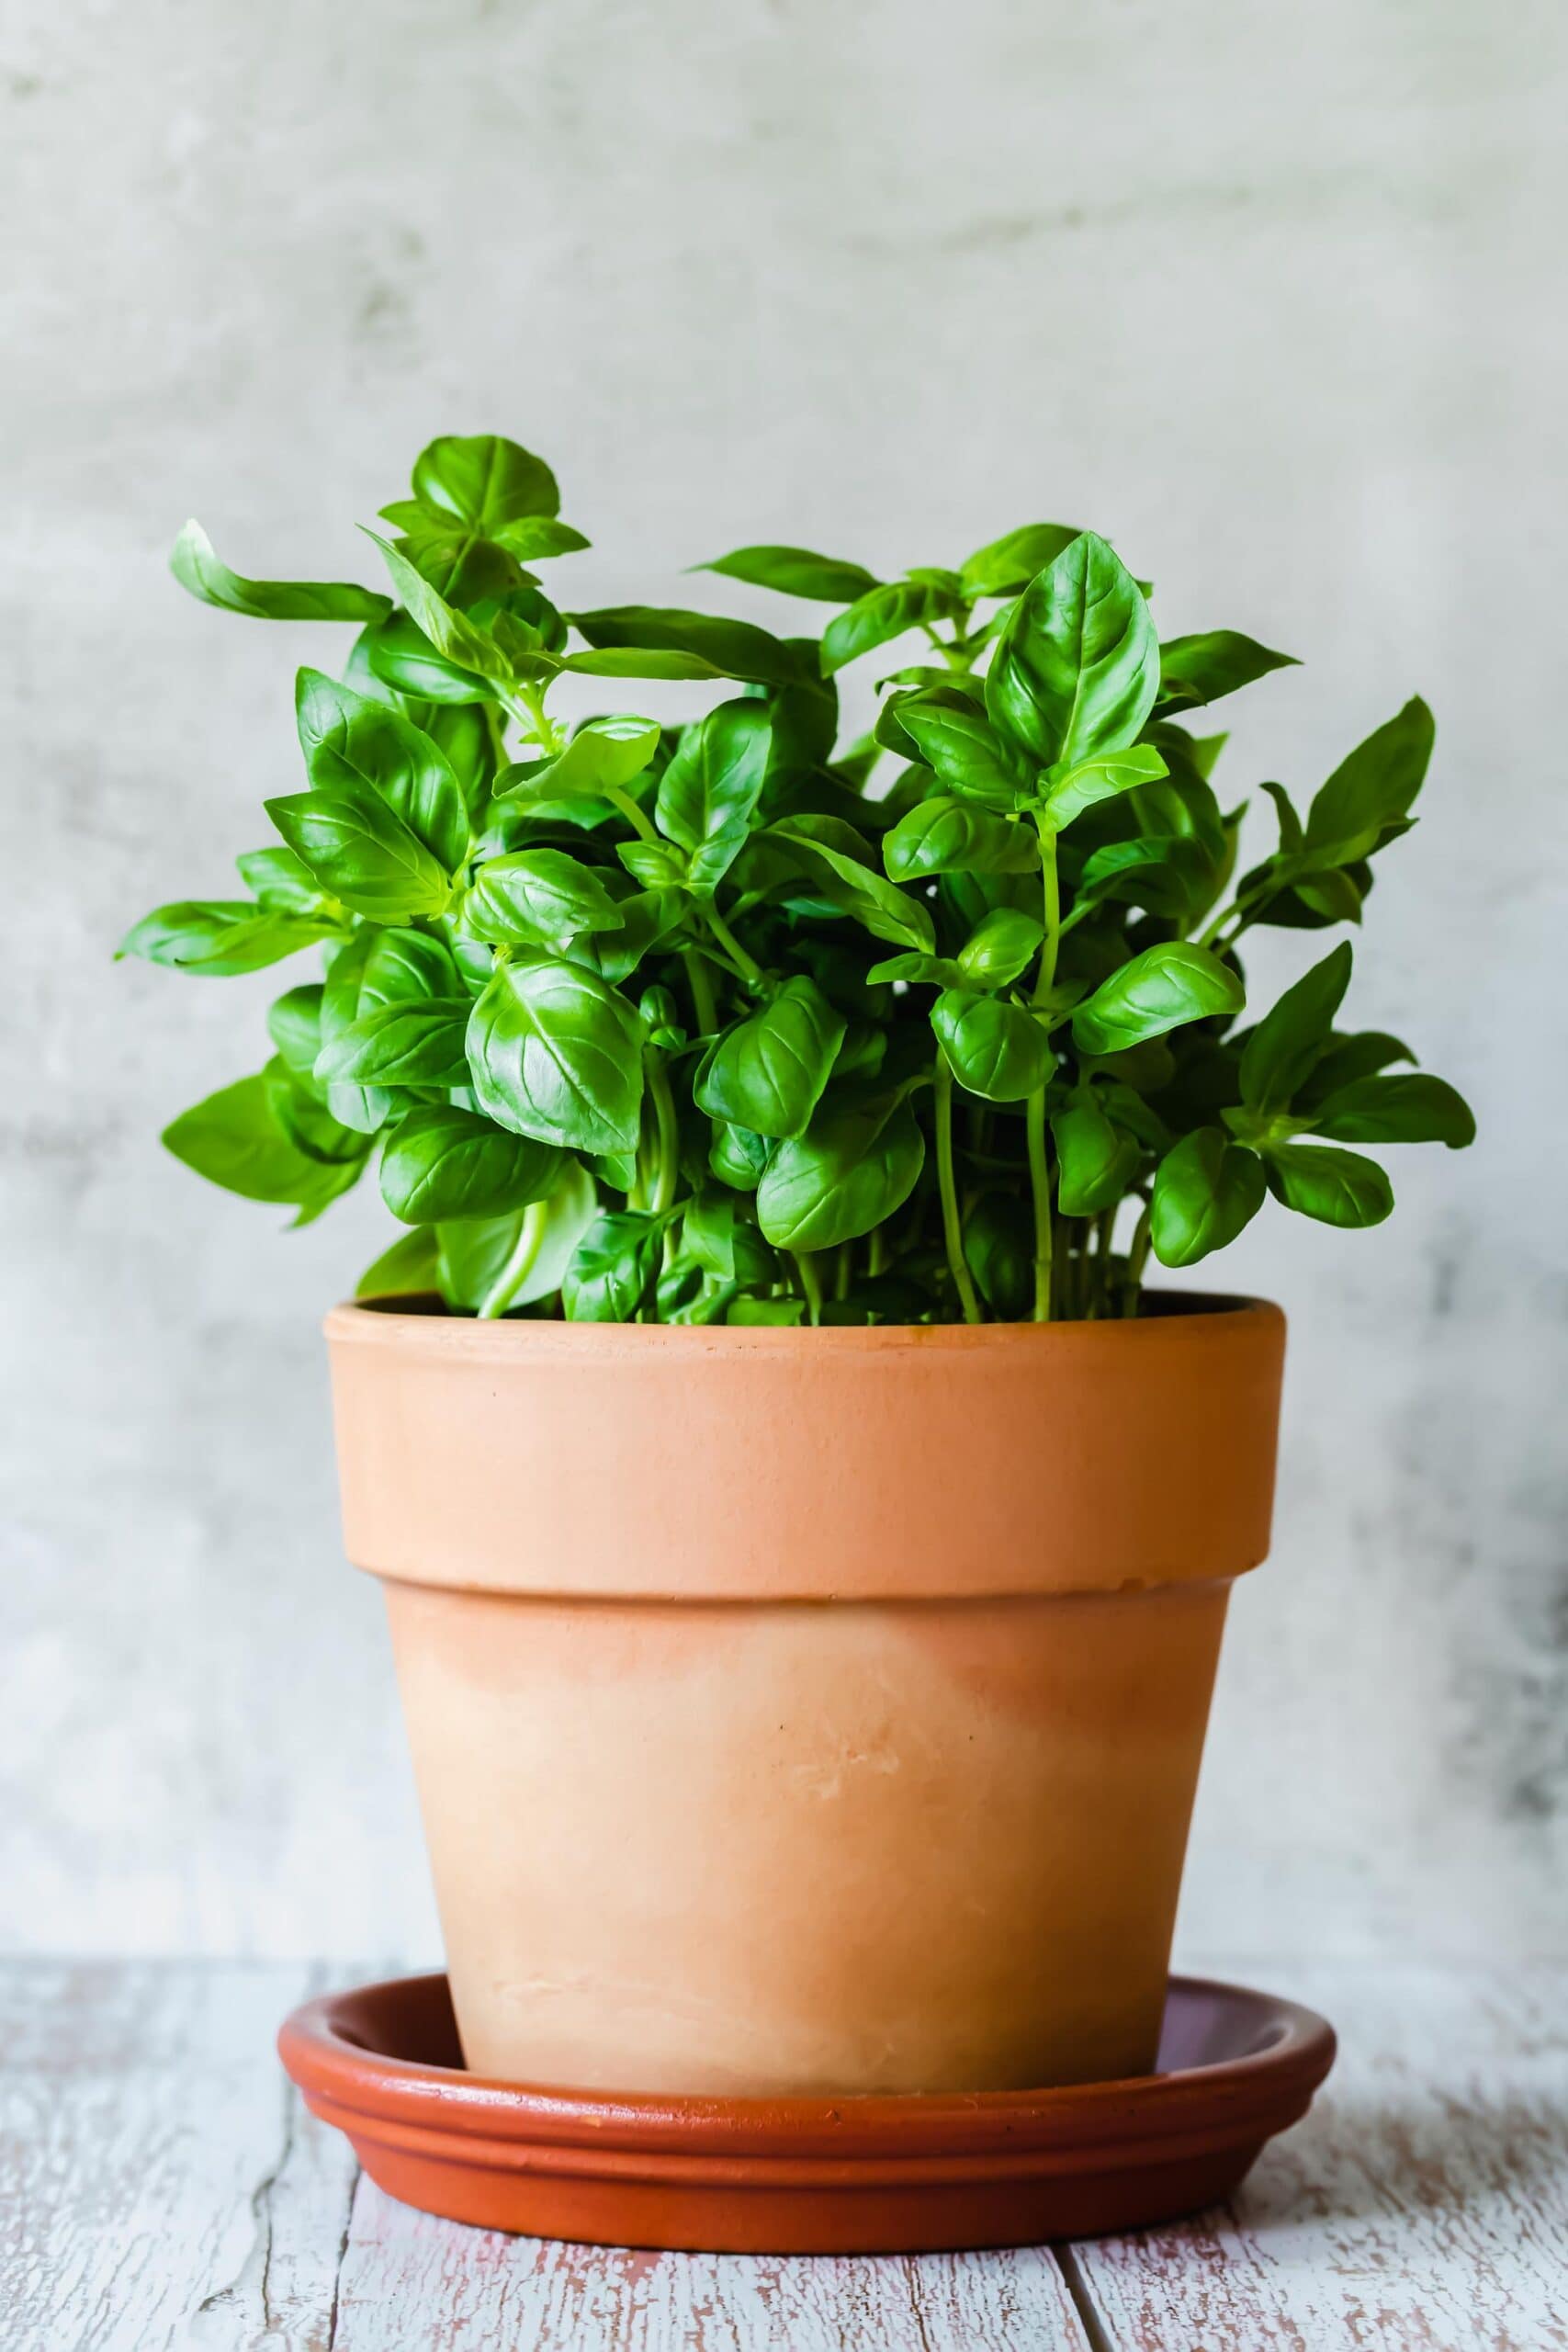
1336,1187
709,791
768,1072
1198,670
1077,668
1095,1160
827,854
537,898
1371,789
877,617
1104,776
1005,565
233,1138
943,836
352,743
995,1049
1406,1107
442,1164
857,1162
963,749
1286,1043
198,569
731,648
1206,1189
796,571
417,1044
557,1055
359,849
218,937
484,479
1160,990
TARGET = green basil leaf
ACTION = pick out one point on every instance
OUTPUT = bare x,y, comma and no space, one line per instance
646,919
966,753
1373,788
533,538
484,479
1345,1061
557,1055
359,849
308,1122
1291,833
709,791
738,1157
603,756
1206,1189
196,568
857,1162
1103,777
1336,1187
1009,563
878,616
407,1270
1281,1050
294,1024
415,1044
1160,990
818,846
451,632
1077,668
442,1163
233,1139
351,744
1096,1162
725,1241
476,1252
1198,670
768,1314
403,967
401,656
615,1263
768,1072
796,571
999,1242
279,881
1168,873
999,947
943,836
995,1049
935,972
729,649
642,662
1408,1108
1334,895
218,937
537,897
656,864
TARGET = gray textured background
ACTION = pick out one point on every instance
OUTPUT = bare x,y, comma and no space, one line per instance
1273,297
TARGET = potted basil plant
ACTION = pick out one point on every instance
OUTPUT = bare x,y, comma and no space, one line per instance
807,1540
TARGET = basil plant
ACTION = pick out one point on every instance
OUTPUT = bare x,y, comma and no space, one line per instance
729,1023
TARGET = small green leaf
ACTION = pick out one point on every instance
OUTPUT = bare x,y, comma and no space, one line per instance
1076,669
442,1163
709,791
361,852
642,662
1281,1050
1198,670
484,479
218,937
451,632
999,1242
999,947
233,1139
878,616
603,756
738,1157
401,656
995,1049
1337,1187
476,1253
729,649
828,853
943,836
615,1261
198,569
417,1044
351,744
1160,990
407,1270
1373,788
294,1024
1103,777
768,1072
857,1162
536,898
796,571
1009,563
557,1055
967,754
1206,1189
1407,1108
281,883
1096,1161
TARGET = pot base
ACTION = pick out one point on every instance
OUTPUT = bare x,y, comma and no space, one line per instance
806,2175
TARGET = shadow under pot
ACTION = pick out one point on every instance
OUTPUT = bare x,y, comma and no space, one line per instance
800,1712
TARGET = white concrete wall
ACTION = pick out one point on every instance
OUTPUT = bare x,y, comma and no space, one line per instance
1275,297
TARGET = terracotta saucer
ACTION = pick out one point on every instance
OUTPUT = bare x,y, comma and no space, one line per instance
806,2175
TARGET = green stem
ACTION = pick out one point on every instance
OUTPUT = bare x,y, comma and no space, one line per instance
810,1284
1040,1186
951,1224
668,1136
749,969
697,980
1051,910
519,1262
538,718
636,818
1137,1258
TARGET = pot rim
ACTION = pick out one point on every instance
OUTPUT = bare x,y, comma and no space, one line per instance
426,1327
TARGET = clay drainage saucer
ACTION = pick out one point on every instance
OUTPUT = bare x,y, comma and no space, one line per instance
806,2176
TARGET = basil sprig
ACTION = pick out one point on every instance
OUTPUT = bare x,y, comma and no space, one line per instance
738,1021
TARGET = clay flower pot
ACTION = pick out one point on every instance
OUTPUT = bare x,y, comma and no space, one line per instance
801,1712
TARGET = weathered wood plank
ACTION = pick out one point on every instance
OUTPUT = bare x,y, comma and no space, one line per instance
470,2290
142,2128
1423,2206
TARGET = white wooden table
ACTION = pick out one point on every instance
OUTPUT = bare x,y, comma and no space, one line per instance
161,2186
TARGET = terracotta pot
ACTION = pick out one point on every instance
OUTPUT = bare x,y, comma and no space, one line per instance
803,1711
